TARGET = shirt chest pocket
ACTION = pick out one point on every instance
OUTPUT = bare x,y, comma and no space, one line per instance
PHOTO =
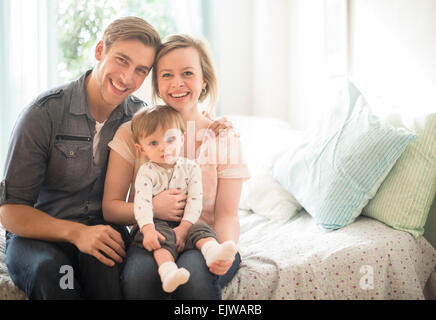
71,161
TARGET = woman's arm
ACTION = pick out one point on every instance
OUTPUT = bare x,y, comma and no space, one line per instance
226,223
226,218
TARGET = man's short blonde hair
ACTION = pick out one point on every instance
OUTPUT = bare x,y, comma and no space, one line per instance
147,120
128,28
177,41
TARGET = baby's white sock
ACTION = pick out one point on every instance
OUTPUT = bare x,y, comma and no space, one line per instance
172,276
213,251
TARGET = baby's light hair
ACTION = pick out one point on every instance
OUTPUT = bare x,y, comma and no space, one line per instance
147,120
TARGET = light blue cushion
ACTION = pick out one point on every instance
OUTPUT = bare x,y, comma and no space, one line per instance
338,168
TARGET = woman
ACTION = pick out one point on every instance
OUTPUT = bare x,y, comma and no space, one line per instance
183,77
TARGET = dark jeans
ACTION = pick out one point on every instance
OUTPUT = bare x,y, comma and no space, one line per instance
37,268
140,278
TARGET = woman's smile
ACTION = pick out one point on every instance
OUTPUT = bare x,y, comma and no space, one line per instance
179,95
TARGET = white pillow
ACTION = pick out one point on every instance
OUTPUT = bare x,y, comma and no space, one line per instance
263,140
265,196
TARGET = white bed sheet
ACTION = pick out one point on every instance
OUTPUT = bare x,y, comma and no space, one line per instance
296,260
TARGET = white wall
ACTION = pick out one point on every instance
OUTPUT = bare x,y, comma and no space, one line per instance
393,51
269,56
231,41
307,61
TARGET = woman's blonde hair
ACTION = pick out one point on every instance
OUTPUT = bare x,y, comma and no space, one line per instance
147,120
127,28
177,41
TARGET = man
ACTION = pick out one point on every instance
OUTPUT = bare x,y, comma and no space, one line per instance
58,245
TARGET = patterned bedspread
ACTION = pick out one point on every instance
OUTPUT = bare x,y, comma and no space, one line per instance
8,291
296,260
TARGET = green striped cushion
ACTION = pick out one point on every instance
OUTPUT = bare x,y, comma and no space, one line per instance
405,196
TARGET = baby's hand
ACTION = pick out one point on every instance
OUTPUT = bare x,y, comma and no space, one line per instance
151,237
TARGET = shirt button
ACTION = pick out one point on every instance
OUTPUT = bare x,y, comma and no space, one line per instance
86,206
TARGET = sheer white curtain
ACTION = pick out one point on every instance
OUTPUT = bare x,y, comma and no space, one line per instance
24,60
28,52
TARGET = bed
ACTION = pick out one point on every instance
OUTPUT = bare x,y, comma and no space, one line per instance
285,253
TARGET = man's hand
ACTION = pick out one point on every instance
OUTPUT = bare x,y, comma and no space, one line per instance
101,241
151,237
169,205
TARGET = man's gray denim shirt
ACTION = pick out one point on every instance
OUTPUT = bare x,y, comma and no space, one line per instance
50,163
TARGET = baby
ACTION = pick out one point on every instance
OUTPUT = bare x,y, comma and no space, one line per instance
158,132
